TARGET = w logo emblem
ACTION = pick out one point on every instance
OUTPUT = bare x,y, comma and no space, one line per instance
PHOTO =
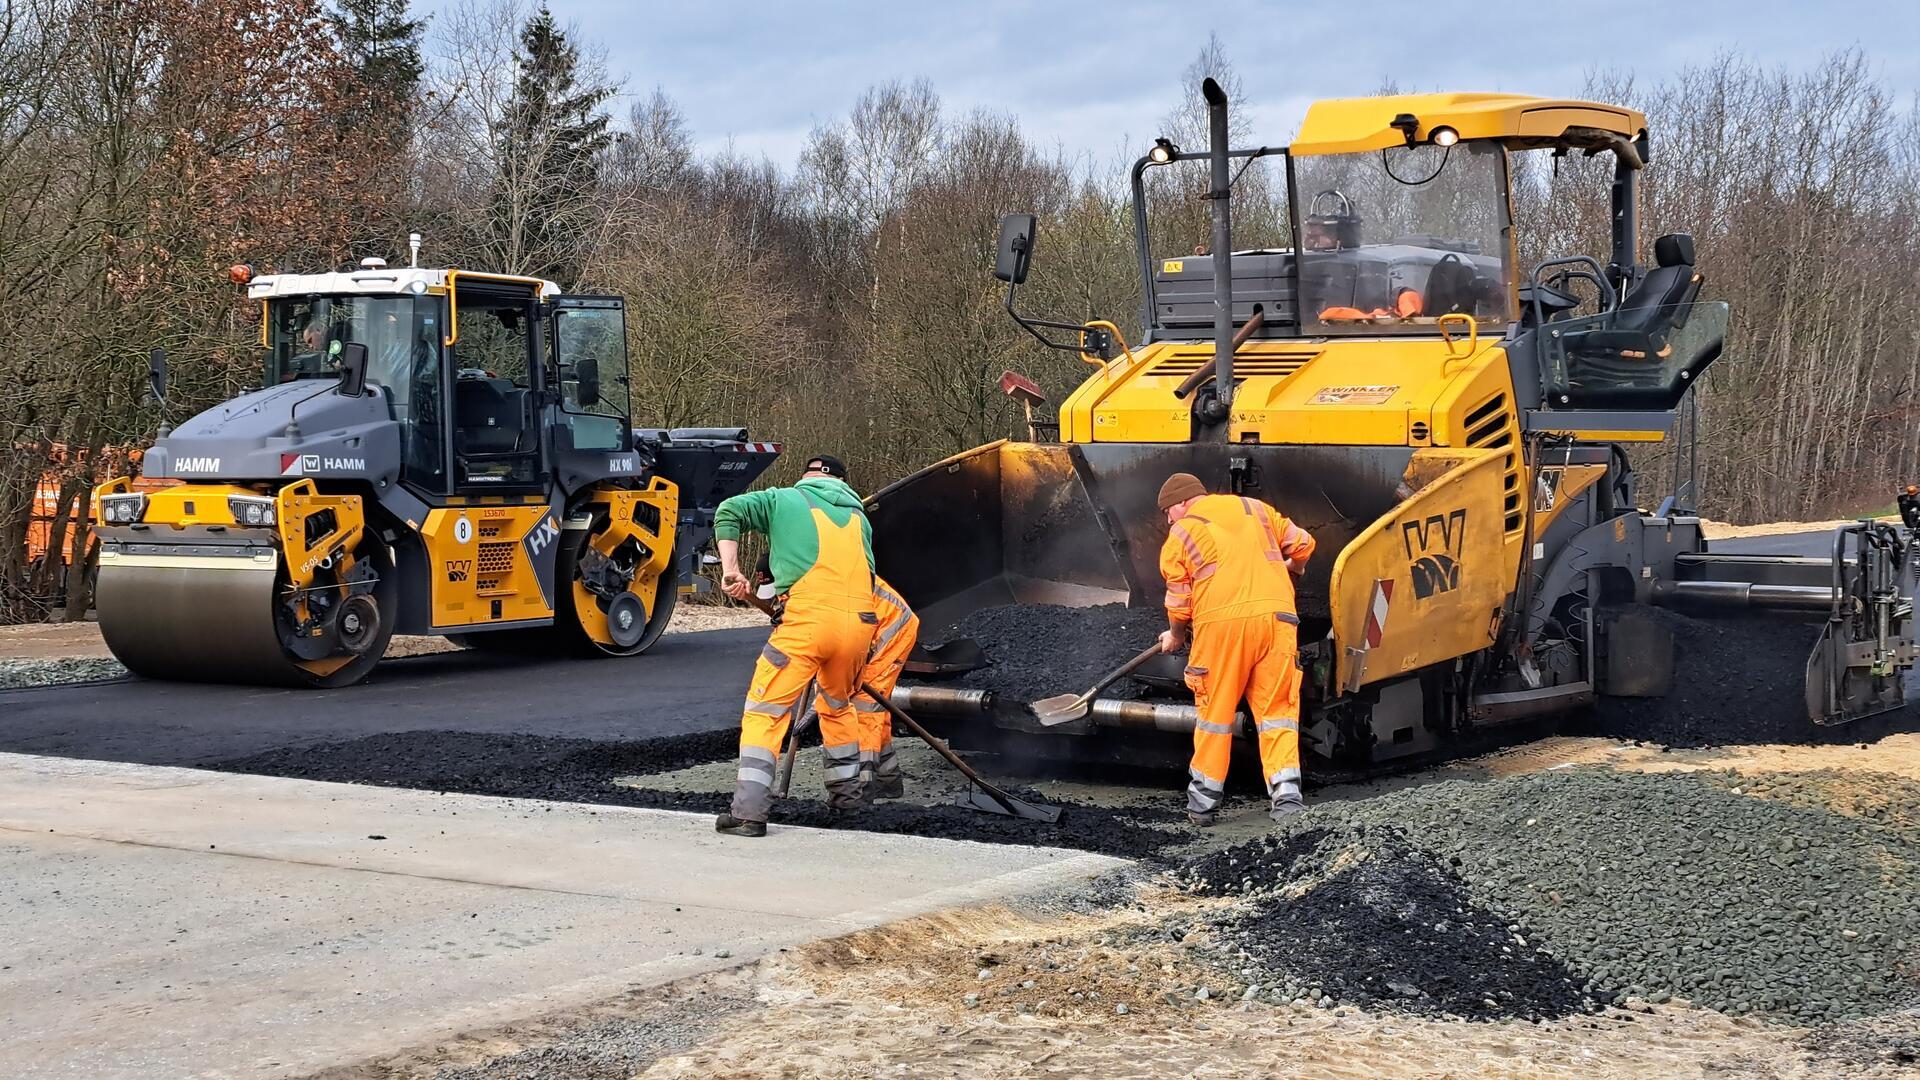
1433,552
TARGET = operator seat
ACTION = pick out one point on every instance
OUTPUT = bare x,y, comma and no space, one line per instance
1660,301
487,415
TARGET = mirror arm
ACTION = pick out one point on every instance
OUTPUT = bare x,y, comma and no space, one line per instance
1034,326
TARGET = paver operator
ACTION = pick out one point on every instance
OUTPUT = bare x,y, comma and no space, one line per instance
1229,564
822,561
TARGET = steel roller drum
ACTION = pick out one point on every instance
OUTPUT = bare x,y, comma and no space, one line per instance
204,619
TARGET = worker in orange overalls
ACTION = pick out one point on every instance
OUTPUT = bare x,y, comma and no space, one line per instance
899,629
1229,564
822,562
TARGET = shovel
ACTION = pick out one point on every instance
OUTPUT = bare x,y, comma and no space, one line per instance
980,794
1061,708
784,777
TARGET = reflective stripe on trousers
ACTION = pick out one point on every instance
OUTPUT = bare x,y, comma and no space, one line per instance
1251,658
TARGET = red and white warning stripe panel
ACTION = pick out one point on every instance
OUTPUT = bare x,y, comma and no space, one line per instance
1377,611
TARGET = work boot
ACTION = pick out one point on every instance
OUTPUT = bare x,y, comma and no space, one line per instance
1204,821
1284,810
734,826
890,788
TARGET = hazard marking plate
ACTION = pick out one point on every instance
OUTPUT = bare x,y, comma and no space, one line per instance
1377,611
1353,395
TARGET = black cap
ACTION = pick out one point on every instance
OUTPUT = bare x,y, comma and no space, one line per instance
828,464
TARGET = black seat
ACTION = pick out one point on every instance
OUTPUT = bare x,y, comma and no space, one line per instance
487,414
1452,286
1660,300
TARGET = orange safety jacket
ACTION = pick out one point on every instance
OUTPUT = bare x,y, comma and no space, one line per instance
1231,557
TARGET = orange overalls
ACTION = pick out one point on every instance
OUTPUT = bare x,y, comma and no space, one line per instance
825,634
899,628
1228,564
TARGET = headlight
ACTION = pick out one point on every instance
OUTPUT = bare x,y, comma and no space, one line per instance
122,509
251,509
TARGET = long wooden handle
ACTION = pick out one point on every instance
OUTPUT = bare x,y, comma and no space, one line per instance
1207,370
1125,670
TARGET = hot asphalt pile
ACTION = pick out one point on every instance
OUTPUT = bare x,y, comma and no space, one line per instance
1039,650
1395,927
1521,896
585,770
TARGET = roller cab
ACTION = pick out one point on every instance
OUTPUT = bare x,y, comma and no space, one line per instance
430,452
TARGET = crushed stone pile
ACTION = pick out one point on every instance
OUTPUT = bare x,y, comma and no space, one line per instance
17,674
1039,650
1746,895
585,771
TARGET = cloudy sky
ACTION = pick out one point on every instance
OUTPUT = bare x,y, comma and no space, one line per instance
1095,76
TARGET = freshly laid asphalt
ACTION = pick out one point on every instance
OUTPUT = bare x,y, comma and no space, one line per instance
685,683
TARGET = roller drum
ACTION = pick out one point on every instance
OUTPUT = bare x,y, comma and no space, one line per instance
210,619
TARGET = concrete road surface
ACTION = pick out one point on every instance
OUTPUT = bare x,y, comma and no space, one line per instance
687,682
169,922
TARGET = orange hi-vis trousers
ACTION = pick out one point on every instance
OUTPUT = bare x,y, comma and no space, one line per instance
1251,657
898,630
825,636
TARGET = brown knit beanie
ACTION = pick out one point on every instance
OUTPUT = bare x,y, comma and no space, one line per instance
1180,487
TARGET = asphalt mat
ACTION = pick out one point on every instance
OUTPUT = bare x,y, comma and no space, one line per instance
592,771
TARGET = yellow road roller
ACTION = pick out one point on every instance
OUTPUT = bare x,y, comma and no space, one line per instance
431,451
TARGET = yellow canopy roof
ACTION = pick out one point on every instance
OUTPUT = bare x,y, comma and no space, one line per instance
1345,125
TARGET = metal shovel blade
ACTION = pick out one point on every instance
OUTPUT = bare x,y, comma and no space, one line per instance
976,799
1060,709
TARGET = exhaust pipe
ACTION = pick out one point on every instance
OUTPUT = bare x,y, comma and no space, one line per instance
1220,195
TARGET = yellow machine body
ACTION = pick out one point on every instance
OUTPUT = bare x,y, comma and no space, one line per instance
1453,408
483,569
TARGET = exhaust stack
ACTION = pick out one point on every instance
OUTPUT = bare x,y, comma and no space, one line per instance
1221,196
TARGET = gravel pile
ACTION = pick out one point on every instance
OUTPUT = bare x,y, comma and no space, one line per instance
1743,895
16,673
1038,650
584,770
1362,916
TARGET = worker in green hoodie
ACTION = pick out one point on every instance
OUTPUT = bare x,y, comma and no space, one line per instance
822,562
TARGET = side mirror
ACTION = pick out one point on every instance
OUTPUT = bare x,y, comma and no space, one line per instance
586,377
1016,248
157,374
353,369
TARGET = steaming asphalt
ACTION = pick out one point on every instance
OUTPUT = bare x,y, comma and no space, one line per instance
686,683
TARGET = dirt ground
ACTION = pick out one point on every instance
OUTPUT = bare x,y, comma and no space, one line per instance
1057,999
1095,985
1720,530
81,640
